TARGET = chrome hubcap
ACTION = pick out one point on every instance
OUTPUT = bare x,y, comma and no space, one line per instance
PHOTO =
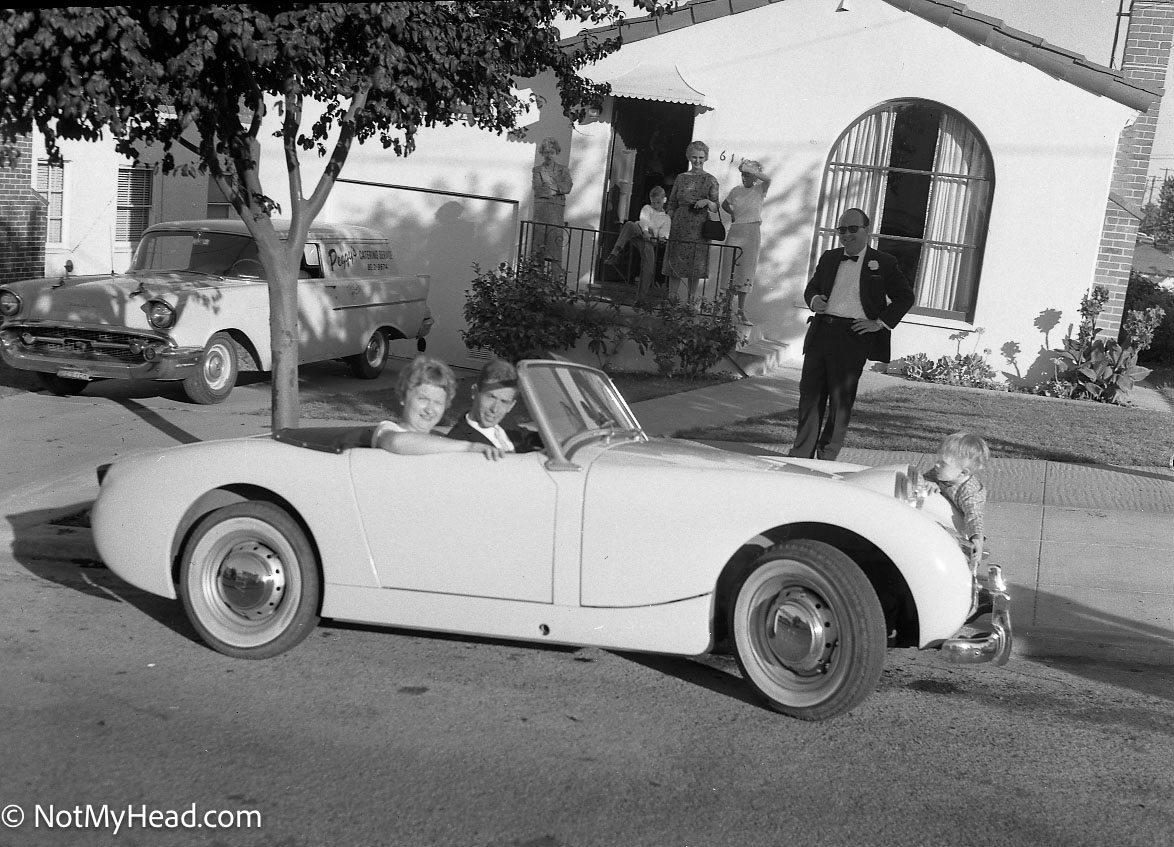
251,580
800,630
214,366
375,350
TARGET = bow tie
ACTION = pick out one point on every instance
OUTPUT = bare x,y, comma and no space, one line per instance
847,258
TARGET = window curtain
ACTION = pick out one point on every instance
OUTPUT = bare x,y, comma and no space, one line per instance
51,184
856,174
958,200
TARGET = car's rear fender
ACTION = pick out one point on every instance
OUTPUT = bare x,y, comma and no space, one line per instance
218,498
141,524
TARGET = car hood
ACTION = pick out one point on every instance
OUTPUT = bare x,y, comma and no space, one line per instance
106,298
694,454
666,453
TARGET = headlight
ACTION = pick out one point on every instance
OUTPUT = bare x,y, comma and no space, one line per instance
160,315
9,304
910,487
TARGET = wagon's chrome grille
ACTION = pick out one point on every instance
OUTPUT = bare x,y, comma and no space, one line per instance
94,345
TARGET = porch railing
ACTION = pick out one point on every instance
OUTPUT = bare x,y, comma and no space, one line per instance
578,255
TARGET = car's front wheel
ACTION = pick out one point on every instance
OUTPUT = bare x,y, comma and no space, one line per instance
809,631
215,374
370,363
249,581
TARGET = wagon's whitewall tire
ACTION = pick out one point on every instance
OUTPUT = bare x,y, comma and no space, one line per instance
249,581
215,374
808,630
370,363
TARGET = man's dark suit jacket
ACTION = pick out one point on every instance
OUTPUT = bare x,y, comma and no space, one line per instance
524,442
885,294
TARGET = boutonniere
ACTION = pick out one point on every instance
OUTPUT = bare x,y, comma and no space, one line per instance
873,265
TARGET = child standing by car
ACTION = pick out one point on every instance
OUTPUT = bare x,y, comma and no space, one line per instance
960,456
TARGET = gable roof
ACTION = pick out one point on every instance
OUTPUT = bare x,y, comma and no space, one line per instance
973,26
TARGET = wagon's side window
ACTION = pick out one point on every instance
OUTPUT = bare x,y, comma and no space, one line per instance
311,265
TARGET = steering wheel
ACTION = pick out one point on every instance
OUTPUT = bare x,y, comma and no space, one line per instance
247,267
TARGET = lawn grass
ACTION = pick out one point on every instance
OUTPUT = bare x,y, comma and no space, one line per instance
915,417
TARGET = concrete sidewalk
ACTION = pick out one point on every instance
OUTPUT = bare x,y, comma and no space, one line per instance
1088,550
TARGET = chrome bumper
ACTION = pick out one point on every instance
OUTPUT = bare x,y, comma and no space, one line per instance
170,363
993,646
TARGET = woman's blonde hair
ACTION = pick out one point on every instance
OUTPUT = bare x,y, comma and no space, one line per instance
968,450
426,370
550,143
699,146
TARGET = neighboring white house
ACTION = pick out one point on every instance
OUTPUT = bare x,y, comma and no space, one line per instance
985,157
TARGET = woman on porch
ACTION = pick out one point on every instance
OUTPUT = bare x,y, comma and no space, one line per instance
695,194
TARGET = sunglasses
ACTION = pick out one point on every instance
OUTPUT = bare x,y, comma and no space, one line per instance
844,230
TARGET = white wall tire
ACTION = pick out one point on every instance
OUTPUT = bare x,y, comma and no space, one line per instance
249,581
370,363
808,630
215,374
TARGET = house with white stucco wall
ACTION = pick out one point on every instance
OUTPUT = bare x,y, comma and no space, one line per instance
983,155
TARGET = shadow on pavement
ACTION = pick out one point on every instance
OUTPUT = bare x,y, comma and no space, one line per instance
158,421
55,545
713,673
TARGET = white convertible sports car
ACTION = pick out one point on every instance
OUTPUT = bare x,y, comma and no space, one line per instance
808,570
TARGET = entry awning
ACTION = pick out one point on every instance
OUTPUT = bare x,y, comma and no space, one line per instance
657,82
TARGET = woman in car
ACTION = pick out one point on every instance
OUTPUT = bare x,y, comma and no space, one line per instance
425,389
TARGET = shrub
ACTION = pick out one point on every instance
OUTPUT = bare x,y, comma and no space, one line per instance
521,313
525,313
679,337
970,370
1097,369
1144,296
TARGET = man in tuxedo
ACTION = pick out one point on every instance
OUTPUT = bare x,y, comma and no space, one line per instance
858,295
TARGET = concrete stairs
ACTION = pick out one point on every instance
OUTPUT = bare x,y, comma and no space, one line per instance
759,356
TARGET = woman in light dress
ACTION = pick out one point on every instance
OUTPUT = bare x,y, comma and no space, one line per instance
744,206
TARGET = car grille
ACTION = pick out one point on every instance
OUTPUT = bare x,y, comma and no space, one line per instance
87,344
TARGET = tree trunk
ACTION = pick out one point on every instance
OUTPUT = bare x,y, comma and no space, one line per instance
283,335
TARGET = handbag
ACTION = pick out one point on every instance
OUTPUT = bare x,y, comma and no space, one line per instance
713,230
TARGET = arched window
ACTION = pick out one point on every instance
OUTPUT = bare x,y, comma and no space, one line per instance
924,176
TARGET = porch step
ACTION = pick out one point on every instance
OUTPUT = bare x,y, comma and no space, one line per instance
760,356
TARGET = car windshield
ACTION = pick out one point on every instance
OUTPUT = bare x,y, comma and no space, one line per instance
575,402
215,253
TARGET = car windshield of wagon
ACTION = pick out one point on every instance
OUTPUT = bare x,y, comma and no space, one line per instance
213,253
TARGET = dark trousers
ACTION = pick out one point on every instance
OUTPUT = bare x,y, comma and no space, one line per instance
832,365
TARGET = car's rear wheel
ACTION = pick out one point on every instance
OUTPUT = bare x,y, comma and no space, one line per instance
215,375
808,630
249,581
63,386
370,363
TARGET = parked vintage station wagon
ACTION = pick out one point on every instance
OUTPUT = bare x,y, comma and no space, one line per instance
194,306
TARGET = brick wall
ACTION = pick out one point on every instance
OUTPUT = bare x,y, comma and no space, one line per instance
22,218
1145,59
